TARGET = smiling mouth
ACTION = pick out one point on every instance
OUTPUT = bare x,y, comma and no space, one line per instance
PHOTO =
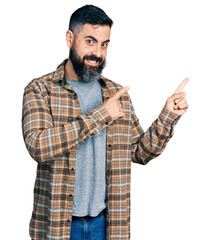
92,62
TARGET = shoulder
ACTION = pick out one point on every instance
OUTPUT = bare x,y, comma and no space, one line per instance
114,87
40,88
40,81
111,84
48,80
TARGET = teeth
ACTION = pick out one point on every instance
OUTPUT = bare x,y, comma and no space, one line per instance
92,61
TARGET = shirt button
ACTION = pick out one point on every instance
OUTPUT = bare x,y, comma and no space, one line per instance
67,154
110,146
68,220
70,195
72,169
106,123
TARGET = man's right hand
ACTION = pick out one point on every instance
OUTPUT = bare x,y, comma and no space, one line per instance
113,106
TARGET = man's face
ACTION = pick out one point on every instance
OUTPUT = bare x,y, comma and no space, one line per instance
88,52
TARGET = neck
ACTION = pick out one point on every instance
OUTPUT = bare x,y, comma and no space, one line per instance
69,71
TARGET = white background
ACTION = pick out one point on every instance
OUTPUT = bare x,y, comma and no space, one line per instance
154,46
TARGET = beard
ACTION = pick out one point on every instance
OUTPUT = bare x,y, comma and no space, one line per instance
84,72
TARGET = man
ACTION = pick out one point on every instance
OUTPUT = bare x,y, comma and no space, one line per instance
82,130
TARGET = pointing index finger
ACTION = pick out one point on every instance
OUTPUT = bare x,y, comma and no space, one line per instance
120,93
182,85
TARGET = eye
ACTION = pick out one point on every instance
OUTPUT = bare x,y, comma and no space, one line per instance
104,45
89,41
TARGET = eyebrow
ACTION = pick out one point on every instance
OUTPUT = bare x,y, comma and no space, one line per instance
108,40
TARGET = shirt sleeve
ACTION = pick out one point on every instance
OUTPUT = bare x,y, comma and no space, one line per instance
46,142
151,143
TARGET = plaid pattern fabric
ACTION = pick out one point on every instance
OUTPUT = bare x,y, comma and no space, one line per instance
53,128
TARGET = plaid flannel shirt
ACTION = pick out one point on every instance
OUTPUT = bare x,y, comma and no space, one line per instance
53,128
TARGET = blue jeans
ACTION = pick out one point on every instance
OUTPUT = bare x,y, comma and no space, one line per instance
91,229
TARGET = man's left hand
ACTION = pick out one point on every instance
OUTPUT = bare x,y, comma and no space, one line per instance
177,102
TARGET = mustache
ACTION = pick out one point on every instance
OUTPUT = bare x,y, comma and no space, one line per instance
93,57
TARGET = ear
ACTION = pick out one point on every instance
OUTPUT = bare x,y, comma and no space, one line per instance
69,38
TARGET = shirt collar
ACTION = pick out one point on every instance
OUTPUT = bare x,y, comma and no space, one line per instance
59,74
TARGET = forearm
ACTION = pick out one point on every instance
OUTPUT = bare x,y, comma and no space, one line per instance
151,143
45,141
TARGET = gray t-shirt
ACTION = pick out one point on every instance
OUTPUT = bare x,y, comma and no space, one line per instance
90,174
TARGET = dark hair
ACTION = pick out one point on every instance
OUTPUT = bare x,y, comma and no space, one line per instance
89,14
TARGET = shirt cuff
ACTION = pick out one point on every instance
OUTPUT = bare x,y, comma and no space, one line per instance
101,115
168,118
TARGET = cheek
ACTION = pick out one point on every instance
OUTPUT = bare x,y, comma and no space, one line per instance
85,52
81,49
104,54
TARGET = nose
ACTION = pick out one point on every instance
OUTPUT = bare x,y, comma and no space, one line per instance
97,51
